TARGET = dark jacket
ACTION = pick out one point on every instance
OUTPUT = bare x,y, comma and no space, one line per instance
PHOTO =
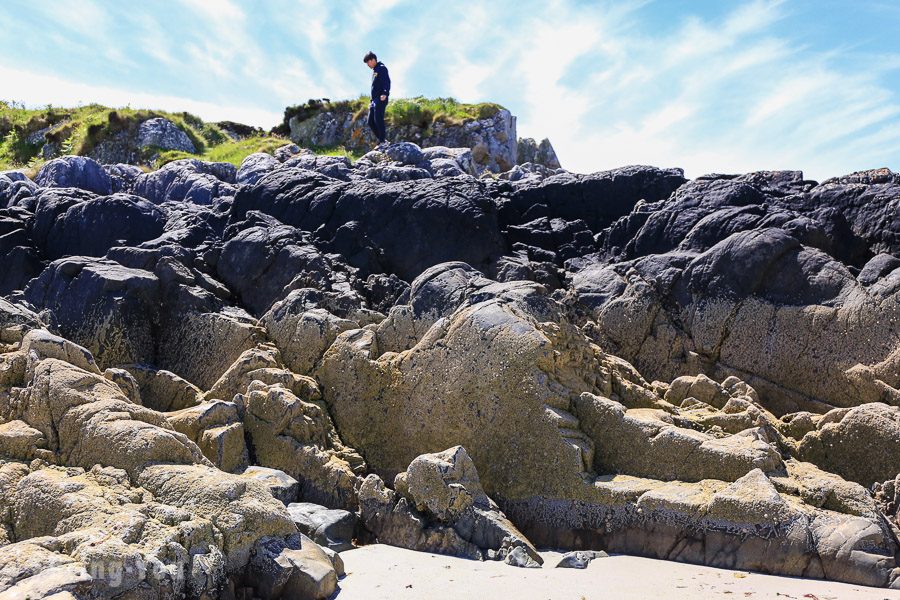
381,81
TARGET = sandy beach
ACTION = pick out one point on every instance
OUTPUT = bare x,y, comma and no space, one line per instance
381,572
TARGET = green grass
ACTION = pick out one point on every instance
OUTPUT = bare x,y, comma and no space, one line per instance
79,130
338,151
232,151
424,112
236,151
419,111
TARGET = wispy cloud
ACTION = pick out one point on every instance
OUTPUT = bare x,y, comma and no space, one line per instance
708,94
753,84
38,90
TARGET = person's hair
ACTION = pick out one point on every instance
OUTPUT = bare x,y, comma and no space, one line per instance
369,56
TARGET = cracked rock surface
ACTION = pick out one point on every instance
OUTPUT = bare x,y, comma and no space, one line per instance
196,360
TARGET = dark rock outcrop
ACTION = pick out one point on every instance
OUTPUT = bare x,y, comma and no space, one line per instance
95,225
733,276
704,371
187,180
74,171
401,228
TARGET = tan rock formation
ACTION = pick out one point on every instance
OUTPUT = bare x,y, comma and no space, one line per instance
578,449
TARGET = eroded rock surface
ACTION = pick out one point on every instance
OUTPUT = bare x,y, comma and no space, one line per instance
626,361
439,506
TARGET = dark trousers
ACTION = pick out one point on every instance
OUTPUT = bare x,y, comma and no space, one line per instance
376,118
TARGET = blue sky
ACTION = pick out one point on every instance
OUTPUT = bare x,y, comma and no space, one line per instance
707,85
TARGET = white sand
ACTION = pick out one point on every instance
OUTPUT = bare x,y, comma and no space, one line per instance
378,571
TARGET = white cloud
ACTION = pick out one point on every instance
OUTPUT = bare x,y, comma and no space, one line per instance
608,85
87,28
38,90
710,96
86,20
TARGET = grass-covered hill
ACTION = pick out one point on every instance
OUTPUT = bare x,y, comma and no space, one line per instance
418,111
25,132
31,136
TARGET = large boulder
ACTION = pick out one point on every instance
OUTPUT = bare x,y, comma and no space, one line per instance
126,315
294,567
598,199
439,506
92,227
101,305
163,134
264,261
857,443
187,180
74,171
789,319
330,527
400,228
254,167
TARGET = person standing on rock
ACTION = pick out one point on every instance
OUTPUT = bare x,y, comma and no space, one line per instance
381,89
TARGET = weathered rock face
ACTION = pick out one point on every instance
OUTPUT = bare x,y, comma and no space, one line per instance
492,140
127,315
74,171
541,153
187,180
487,364
103,496
506,360
440,506
297,436
727,278
395,228
703,371
93,226
163,134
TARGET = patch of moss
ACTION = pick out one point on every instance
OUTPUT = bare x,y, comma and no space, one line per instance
235,151
338,151
232,151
